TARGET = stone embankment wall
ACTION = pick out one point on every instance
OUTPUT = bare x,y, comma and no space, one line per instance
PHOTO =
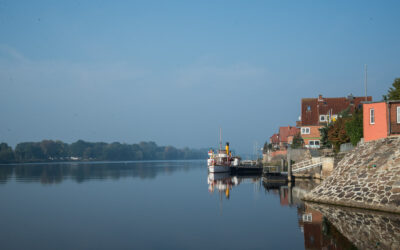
365,229
367,177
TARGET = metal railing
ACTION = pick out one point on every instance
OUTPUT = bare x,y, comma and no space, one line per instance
305,165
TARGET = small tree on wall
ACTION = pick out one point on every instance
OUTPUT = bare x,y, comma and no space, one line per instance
297,141
337,134
354,127
325,143
394,92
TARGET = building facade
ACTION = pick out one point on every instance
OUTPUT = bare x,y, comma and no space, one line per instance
381,119
318,112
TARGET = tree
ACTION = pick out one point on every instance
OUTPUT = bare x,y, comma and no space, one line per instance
6,153
265,148
394,92
337,133
297,141
354,127
345,113
325,143
53,149
29,151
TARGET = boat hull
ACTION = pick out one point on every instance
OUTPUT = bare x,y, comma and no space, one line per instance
218,169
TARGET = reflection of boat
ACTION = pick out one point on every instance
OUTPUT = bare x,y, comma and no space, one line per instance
218,176
223,182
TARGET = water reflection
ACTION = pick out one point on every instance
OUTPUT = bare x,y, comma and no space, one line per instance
224,182
57,172
334,227
365,229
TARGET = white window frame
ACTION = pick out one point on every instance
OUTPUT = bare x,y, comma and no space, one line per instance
313,145
398,114
307,217
371,116
305,130
324,118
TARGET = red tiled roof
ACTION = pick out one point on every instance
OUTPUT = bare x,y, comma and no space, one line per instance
285,132
312,108
274,139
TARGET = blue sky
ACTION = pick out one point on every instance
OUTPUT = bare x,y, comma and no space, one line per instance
175,71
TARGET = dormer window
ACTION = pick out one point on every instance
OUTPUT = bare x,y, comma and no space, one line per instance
305,131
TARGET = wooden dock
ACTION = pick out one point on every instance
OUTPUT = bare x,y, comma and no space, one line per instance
274,174
248,166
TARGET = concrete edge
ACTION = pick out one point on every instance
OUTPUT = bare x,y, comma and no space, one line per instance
388,209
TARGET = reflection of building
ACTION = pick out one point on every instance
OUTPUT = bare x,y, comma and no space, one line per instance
282,189
363,229
311,223
318,232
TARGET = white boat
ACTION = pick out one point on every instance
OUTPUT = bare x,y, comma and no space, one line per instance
222,160
218,169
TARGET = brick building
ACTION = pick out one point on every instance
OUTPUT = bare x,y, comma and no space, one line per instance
284,137
317,112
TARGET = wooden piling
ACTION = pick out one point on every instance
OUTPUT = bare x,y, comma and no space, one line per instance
289,170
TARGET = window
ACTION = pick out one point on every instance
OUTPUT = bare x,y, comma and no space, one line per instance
322,118
307,217
305,131
372,116
398,114
313,144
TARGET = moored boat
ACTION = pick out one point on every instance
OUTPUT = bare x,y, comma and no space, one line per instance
221,161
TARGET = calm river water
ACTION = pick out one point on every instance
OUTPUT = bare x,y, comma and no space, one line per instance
172,205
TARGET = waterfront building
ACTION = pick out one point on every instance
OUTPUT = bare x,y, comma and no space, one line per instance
284,138
381,119
274,141
318,112
286,135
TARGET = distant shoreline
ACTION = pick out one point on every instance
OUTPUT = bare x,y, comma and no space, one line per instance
83,151
95,162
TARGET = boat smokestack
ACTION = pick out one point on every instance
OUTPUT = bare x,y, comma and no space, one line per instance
227,148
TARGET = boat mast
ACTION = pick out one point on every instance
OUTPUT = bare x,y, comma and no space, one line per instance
220,139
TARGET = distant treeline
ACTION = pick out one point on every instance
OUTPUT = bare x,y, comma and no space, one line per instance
49,150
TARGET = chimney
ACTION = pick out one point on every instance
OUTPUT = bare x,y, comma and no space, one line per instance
350,98
320,99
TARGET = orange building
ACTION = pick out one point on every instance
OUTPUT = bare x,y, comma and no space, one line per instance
381,119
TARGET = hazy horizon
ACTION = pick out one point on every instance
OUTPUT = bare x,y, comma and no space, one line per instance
174,72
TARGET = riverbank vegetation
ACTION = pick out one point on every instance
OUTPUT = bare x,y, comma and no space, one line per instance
49,150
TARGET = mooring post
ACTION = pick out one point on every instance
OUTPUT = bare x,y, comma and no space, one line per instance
289,166
290,197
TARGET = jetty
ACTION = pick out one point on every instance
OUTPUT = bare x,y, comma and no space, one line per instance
248,166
